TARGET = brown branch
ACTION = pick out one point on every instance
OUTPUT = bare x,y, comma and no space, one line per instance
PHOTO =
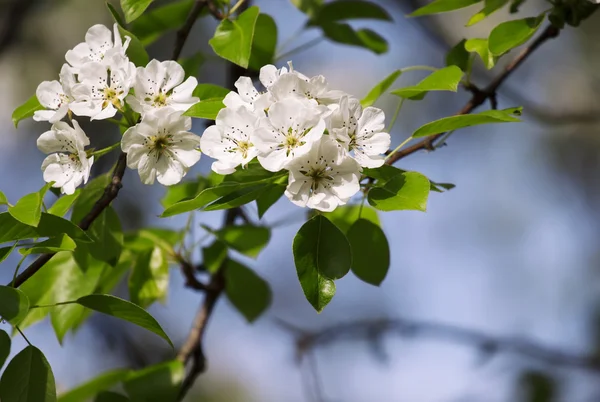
487,344
183,33
189,272
110,193
480,96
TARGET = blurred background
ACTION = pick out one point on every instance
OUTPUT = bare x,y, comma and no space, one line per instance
510,253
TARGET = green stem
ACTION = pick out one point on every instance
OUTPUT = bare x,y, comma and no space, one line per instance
418,68
23,335
300,48
53,305
118,122
106,150
395,116
398,147
235,7
17,269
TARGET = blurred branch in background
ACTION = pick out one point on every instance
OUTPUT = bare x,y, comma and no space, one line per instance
14,14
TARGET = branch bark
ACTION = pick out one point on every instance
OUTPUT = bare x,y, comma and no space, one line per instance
481,96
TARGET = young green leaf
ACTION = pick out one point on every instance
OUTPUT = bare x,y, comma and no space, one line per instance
149,279
406,191
3,199
321,253
247,291
214,256
442,6
205,109
134,8
14,304
458,56
238,198
107,237
153,24
64,203
28,209
49,226
339,10
445,79
210,92
468,120
88,197
370,252
135,51
4,347
28,378
110,397
247,239
480,46
53,245
117,17
511,34
271,194
365,38
233,39
205,197
308,7
183,191
490,7
344,216
158,383
5,251
125,310
89,389
26,110
264,42
380,89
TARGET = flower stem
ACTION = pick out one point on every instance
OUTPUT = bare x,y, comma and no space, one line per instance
399,147
106,150
235,7
53,305
395,116
418,68
23,335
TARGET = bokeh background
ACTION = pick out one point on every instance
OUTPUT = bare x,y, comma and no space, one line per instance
511,252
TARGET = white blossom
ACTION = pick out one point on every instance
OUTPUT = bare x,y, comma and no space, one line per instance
98,47
102,88
161,84
360,131
161,147
316,89
248,97
55,96
229,140
320,180
67,165
288,132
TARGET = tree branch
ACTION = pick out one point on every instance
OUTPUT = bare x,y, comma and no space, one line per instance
479,97
110,193
184,31
487,344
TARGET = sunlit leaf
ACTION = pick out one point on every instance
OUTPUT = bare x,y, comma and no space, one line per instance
134,8
26,110
380,89
490,7
233,38
28,209
480,46
445,79
406,191
511,34
49,226
100,383
53,245
443,6
149,280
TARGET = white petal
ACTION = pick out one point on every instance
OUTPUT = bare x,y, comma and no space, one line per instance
274,161
222,167
43,115
169,171
246,89
99,39
371,121
181,97
147,168
233,100
105,113
186,149
49,94
174,76
268,75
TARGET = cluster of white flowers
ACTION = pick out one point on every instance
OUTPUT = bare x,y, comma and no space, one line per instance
323,137
98,81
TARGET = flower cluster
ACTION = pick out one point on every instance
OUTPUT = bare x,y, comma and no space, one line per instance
98,81
322,137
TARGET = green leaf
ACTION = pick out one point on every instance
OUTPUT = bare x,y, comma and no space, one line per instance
26,110
321,253
5,251
205,197
28,378
210,92
480,46
3,199
468,120
4,347
88,197
89,389
344,216
183,191
134,8
308,7
205,109
107,237
366,38
264,42
28,209
271,194
247,291
406,191
53,245
135,51
246,239
111,397
238,198
511,34
445,79
442,6
458,56
49,226
14,304
125,310
158,383
149,280
192,64
214,256
380,89
490,7
349,9
152,25
64,203
233,39
117,17
370,252
146,239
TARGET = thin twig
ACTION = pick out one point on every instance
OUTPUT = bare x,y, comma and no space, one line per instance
480,96
110,193
488,344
